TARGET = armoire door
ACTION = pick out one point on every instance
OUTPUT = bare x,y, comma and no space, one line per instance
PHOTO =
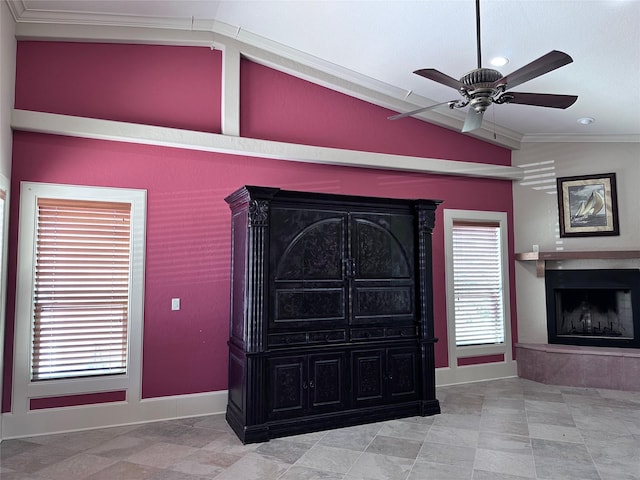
307,250
306,384
368,377
286,376
402,374
383,269
327,382
385,375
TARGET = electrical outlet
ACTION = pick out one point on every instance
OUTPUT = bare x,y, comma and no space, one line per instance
175,304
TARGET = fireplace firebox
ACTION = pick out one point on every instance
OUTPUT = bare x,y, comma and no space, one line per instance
593,307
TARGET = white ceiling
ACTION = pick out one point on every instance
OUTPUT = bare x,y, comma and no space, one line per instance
387,40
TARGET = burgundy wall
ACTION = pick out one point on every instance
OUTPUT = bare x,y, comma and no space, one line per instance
188,228
283,108
155,85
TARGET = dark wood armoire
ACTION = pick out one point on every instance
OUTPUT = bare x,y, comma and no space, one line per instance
331,311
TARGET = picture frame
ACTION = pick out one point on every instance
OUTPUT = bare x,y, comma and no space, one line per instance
588,205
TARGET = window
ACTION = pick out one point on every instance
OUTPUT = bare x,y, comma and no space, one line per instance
81,288
79,309
477,284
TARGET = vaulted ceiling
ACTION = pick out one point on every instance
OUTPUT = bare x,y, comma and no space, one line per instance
380,43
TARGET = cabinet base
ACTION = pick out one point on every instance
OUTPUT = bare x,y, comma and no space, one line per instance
296,426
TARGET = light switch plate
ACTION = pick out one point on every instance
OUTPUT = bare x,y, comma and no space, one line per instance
175,304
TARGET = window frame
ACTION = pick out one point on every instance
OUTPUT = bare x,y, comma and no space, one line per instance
4,253
24,388
466,351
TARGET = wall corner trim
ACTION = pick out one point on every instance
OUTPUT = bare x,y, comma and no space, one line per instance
82,127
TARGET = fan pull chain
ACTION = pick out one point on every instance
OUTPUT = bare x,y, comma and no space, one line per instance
493,112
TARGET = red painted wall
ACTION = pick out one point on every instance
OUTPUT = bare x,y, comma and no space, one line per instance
283,108
156,85
188,229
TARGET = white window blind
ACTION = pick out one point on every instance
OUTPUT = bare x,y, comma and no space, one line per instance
478,289
81,292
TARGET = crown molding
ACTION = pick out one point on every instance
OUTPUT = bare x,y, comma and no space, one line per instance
73,26
17,9
113,34
23,14
580,138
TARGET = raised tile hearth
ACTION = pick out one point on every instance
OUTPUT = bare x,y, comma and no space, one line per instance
580,366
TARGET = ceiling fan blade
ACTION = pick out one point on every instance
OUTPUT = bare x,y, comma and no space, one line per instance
419,110
540,99
545,64
473,121
437,76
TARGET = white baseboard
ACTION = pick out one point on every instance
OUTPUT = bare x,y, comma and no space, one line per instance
59,420
476,373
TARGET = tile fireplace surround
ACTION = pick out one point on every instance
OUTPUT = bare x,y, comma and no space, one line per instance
580,366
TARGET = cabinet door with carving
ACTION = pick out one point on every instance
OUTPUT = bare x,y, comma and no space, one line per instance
368,377
327,382
287,386
307,250
402,374
385,375
305,384
383,269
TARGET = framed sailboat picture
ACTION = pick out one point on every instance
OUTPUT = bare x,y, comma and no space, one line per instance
588,205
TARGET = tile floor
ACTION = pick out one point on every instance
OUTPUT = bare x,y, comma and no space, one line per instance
499,430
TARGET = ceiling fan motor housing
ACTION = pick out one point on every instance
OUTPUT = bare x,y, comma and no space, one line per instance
480,87
481,77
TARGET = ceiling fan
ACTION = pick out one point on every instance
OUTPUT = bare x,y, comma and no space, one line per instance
482,87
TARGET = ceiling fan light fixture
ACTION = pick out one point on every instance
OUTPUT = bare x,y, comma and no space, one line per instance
499,61
483,87
586,120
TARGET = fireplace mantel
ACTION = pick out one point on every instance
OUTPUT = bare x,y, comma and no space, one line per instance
541,257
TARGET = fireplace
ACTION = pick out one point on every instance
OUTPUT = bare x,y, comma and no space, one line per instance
593,307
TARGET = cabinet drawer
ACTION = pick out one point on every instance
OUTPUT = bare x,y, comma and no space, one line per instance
401,332
327,336
302,338
282,339
382,333
367,333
